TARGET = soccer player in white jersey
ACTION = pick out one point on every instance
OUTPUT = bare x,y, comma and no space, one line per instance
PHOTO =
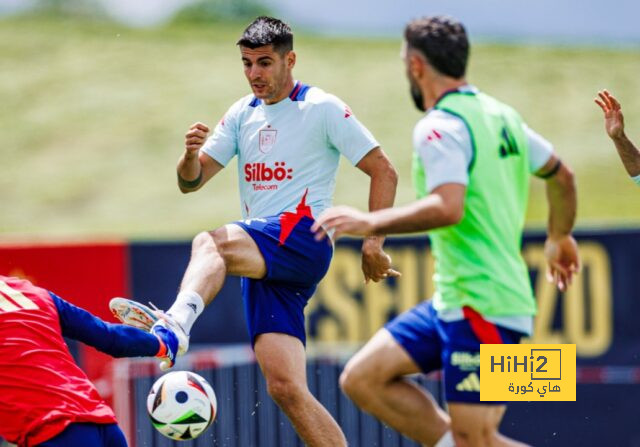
288,138
473,158
614,125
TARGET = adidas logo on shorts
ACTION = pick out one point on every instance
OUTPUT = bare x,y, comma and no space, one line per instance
469,383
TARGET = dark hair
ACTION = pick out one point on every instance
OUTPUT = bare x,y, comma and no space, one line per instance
267,31
443,41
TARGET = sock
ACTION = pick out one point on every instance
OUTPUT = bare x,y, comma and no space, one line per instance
446,440
187,307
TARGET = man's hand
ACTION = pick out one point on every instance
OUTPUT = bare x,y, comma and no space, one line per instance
343,220
168,347
195,138
562,259
376,264
613,118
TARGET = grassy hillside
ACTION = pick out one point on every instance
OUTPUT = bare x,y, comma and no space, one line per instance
93,117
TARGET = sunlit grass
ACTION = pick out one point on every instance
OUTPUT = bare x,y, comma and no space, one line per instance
93,117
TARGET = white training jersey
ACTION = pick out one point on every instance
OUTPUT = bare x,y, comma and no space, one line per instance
288,148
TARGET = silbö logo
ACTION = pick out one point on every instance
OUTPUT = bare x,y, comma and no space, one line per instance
262,172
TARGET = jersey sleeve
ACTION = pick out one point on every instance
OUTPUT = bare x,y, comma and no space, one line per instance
223,144
117,340
345,133
540,149
443,143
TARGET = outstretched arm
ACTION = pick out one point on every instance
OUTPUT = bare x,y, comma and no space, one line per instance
376,264
117,340
560,247
442,207
614,125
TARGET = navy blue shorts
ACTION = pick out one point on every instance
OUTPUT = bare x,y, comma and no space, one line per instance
452,346
295,262
87,434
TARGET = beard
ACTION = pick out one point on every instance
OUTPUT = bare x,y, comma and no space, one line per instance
417,97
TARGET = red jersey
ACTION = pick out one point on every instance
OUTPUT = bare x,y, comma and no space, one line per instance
42,390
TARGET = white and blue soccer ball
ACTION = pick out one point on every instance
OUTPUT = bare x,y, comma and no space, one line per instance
181,405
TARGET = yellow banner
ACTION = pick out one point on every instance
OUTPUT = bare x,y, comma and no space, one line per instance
528,372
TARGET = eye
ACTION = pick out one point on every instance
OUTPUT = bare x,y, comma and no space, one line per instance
246,64
265,63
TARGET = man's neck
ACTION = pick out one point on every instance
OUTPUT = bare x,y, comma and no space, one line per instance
439,88
283,93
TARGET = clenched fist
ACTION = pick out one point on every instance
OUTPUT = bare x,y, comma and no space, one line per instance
195,137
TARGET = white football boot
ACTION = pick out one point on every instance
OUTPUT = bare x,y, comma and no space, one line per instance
133,313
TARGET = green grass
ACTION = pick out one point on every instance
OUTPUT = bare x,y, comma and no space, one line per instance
93,117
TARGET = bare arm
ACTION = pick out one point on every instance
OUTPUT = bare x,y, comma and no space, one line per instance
442,207
629,154
561,249
561,195
195,168
376,264
614,125
384,179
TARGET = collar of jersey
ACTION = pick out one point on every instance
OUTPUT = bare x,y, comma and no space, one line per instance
296,86
467,88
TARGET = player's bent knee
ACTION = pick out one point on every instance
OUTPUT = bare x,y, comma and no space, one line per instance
347,383
356,382
203,242
285,392
210,243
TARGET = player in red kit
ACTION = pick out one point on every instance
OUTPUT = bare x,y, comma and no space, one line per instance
45,398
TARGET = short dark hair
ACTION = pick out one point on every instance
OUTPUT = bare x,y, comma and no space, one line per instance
267,31
443,41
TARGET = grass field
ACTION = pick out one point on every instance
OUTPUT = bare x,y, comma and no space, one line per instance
93,117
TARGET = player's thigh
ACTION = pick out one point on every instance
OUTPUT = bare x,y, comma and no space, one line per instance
240,252
381,359
475,424
282,358
411,340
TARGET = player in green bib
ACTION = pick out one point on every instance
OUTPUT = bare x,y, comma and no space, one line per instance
473,157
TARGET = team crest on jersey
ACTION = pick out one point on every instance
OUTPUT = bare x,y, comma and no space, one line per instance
266,140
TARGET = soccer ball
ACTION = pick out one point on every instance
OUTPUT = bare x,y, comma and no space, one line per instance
181,405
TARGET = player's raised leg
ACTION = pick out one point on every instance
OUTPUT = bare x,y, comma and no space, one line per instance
283,363
375,379
228,250
214,254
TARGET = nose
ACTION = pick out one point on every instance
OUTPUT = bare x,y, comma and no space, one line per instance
254,72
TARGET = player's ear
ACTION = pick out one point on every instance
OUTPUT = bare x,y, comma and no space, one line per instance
417,66
290,59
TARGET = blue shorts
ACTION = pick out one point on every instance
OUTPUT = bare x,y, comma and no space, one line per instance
452,346
295,262
88,434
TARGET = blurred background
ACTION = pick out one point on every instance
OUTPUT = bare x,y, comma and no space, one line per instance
96,95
